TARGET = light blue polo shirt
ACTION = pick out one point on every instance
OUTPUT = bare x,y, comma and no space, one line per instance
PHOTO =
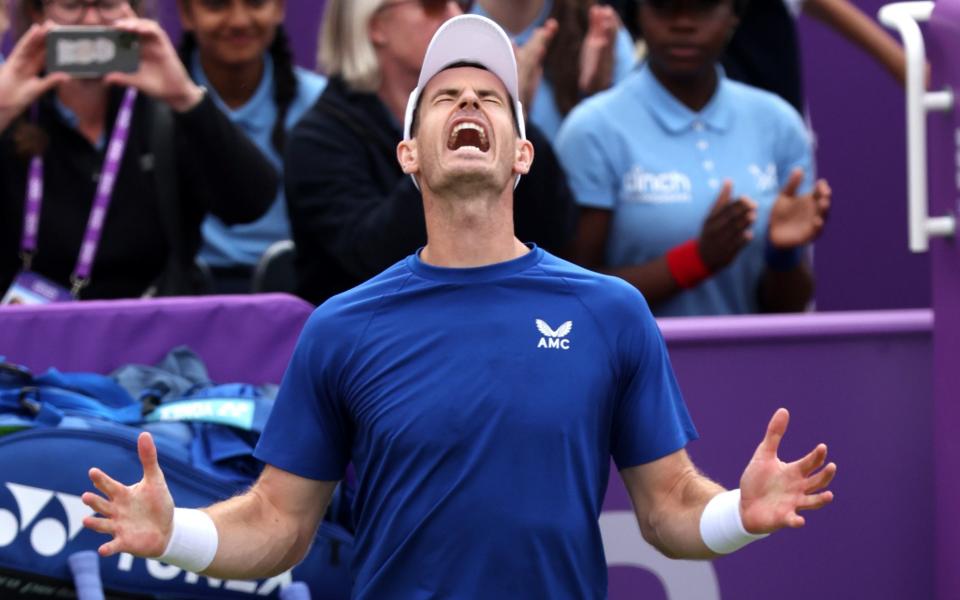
544,112
637,151
232,245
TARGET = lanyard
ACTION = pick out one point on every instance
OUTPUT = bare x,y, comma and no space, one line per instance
101,201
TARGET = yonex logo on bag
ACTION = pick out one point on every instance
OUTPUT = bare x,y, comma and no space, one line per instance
554,338
48,536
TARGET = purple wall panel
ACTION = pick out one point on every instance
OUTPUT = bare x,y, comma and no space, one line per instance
944,161
859,382
241,338
857,110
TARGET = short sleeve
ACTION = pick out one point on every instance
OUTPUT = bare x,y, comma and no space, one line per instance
309,432
650,418
586,160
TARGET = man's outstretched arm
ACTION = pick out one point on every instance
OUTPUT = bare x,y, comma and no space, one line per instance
260,533
669,497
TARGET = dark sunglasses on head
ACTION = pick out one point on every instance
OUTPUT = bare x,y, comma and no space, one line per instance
430,7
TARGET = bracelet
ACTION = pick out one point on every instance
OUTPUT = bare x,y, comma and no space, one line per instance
782,259
721,526
685,264
193,542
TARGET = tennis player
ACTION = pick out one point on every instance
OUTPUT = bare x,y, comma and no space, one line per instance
479,387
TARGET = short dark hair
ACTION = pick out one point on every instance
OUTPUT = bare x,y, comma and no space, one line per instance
739,6
415,121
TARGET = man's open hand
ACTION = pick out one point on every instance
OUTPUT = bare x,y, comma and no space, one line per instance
139,516
772,492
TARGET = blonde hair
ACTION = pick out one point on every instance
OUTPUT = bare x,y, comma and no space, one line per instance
345,46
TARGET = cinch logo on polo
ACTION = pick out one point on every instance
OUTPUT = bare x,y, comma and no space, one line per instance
554,338
670,187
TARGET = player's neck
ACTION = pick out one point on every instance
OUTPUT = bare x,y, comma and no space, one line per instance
88,102
235,84
514,16
474,233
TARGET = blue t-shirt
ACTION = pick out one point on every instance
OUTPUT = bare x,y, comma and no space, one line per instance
544,112
480,408
243,244
658,166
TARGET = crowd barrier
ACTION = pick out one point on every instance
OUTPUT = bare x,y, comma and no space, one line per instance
861,382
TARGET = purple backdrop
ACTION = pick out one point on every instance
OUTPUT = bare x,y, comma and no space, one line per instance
943,44
857,111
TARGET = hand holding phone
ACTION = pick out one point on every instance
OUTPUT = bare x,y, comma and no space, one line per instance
161,74
20,80
92,51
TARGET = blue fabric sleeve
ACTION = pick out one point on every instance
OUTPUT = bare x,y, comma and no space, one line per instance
584,155
650,419
625,56
794,147
309,431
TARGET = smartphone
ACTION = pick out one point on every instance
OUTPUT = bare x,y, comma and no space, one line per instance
92,51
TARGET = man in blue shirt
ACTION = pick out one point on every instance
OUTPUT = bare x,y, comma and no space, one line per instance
479,387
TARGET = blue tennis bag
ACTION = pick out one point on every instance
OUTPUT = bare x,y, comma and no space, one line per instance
54,427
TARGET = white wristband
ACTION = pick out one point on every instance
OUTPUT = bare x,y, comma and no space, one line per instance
194,540
721,526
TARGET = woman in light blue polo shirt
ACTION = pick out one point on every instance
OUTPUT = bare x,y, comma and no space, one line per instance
239,51
569,73
697,189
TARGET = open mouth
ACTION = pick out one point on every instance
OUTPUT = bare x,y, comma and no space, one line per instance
468,135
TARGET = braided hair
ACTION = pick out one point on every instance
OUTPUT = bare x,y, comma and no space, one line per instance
284,78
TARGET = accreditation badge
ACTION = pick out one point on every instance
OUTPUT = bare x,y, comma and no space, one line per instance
31,288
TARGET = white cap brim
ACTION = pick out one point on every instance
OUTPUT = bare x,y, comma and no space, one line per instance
471,39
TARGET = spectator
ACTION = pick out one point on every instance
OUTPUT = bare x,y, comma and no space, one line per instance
239,51
353,212
764,52
182,159
696,189
578,46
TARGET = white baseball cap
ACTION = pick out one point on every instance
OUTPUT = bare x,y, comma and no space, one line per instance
469,39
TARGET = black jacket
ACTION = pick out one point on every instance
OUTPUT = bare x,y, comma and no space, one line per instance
354,213
176,169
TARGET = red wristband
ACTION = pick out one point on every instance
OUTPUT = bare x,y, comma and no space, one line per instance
685,264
